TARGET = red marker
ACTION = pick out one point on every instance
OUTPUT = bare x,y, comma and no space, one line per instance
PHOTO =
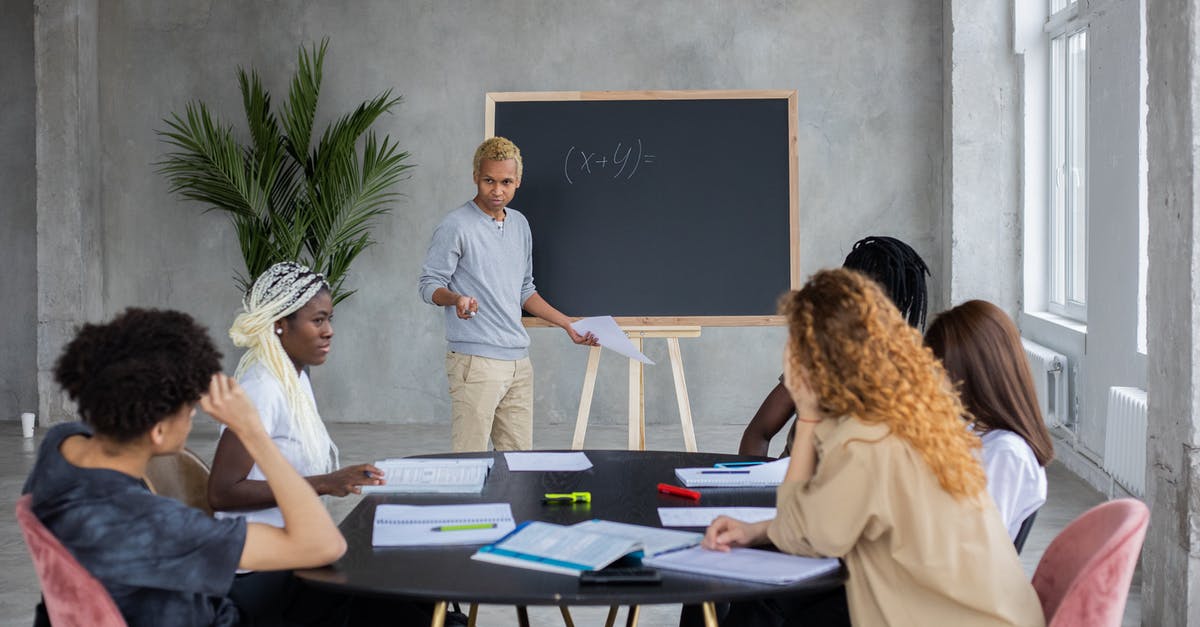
677,491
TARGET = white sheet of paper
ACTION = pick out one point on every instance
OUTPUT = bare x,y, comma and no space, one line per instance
518,462
703,516
610,336
413,525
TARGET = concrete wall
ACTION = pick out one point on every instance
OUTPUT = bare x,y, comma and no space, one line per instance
870,144
18,212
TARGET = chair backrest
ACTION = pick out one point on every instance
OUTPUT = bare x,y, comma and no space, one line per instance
182,476
1023,532
1083,577
73,596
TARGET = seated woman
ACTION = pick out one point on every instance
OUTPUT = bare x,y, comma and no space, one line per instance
901,273
287,326
980,348
136,381
882,473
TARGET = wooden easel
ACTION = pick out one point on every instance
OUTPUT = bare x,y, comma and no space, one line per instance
637,387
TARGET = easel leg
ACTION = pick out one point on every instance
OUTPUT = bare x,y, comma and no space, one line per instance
710,614
681,395
439,614
585,398
637,420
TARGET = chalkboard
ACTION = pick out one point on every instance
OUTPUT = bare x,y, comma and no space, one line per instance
658,207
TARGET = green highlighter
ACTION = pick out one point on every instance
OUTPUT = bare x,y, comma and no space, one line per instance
567,497
469,527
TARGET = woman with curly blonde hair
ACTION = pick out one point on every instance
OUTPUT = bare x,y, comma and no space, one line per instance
883,474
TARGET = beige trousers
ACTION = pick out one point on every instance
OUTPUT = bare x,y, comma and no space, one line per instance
490,398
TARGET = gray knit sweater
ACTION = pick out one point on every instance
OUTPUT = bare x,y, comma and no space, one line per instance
473,256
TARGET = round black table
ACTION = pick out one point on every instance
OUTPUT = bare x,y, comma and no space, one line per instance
623,485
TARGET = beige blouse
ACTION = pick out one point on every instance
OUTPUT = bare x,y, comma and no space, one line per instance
915,554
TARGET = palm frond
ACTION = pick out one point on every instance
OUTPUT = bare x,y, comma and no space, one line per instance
301,107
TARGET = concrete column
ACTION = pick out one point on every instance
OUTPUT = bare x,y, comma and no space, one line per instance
1171,558
981,219
69,272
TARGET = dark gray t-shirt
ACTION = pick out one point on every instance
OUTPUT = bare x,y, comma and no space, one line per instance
163,562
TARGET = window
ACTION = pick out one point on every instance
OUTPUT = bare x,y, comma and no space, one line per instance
1067,229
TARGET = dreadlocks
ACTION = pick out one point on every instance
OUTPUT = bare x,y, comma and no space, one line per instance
898,269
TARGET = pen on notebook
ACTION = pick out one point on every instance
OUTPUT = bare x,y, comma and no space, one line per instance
724,472
736,464
667,488
469,527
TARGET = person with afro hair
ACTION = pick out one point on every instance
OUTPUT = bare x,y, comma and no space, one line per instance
137,380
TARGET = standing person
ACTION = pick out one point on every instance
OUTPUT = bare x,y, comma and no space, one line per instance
901,273
882,474
479,268
980,348
287,327
136,381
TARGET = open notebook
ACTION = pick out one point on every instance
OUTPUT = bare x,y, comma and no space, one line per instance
432,476
745,564
429,525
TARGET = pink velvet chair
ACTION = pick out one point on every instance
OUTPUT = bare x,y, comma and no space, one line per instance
73,596
1083,577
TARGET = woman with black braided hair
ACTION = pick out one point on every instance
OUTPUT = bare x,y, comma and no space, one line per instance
901,272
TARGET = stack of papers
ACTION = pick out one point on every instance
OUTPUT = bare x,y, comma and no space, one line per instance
745,564
432,476
427,525
654,540
763,476
557,549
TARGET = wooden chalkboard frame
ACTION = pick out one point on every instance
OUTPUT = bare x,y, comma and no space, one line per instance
791,96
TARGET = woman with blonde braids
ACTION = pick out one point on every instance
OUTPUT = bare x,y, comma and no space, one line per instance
883,474
286,326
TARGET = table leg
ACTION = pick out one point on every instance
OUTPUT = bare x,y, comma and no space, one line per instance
439,614
472,614
612,616
566,613
522,616
681,395
585,398
710,614
632,620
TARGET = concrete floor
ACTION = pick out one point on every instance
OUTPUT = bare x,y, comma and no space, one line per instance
1068,497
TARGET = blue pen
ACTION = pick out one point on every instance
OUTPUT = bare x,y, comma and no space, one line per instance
736,464
724,472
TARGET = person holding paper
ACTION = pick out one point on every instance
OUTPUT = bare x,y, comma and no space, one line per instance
883,474
479,268
136,381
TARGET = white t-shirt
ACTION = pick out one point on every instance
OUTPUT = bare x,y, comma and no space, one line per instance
1015,480
267,395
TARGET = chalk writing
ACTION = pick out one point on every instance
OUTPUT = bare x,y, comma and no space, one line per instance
624,160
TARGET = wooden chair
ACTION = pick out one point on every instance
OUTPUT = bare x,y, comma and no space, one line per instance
73,597
1083,577
182,476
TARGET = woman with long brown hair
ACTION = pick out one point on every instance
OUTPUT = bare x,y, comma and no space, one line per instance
980,348
883,472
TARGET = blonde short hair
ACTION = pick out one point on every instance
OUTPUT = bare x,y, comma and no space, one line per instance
497,149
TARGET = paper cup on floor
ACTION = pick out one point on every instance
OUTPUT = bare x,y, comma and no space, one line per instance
27,420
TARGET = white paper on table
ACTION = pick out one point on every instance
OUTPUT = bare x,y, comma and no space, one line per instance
610,336
547,462
413,525
703,516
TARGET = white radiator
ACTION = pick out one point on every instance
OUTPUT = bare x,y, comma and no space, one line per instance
1125,438
1049,378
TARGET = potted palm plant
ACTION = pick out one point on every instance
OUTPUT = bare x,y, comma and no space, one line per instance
289,198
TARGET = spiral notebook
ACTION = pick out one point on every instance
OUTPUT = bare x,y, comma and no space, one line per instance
432,525
761,476
431,476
